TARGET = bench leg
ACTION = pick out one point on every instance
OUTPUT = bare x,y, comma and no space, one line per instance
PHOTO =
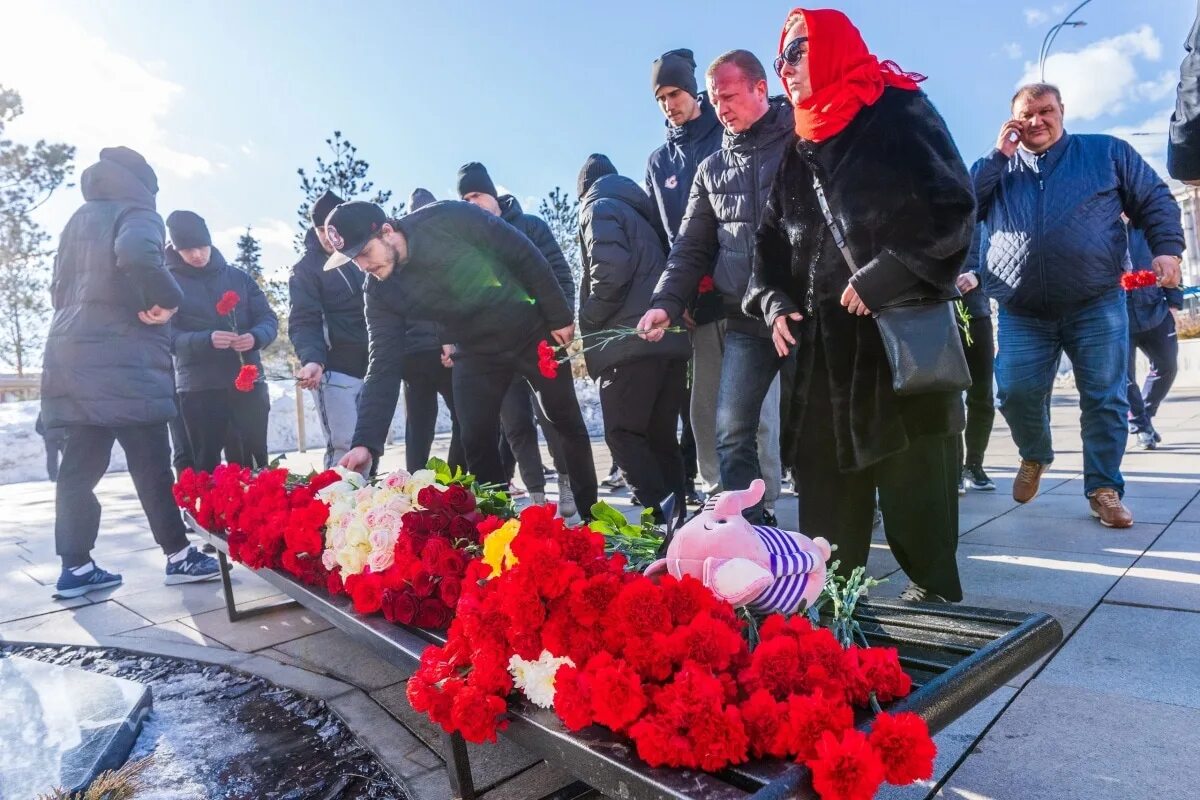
231,608
458,765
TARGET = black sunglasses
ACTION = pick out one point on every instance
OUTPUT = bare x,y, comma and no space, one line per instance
791,55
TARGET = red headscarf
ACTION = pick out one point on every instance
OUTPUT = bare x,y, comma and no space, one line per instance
845,76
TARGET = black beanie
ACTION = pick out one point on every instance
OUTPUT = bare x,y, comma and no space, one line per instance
188,230
674,68
420,198
133,161
473,177
595,168
320,210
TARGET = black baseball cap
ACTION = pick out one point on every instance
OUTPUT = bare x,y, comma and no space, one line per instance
349,227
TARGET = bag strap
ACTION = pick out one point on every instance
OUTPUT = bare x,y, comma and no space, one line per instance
831,223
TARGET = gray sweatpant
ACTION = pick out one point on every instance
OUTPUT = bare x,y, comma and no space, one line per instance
337,405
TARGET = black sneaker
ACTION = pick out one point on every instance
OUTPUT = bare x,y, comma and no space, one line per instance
693,497
973,477
72,585
769,519
918,594
193,568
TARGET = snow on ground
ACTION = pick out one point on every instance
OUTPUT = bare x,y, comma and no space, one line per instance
23,456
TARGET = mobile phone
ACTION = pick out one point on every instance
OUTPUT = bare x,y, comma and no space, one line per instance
1013,136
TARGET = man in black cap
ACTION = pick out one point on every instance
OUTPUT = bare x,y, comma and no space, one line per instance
106,371
519,415
329,332
693,134
494,295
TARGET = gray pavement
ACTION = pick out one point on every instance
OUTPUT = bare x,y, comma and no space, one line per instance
1112,714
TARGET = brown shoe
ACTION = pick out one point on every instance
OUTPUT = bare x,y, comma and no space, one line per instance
1028,480
1107,507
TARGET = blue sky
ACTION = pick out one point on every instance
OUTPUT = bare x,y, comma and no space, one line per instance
229,99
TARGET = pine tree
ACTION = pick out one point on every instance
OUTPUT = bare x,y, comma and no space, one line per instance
28,176
561,213
249,257
345,174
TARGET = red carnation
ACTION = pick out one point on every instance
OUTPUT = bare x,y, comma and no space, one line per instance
904,746
367,593
478,716
572,702
846,768
1141,279
246,378
617,695
227,303
706,285
547,363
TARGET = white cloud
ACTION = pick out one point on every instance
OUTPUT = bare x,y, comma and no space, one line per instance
78,90
1102,77
1162,86
276,238
1012,50
1149,138
1035,16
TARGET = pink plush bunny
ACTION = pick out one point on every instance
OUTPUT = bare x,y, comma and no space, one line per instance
768,569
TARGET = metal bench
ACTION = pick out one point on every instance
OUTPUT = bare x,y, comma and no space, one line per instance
956,656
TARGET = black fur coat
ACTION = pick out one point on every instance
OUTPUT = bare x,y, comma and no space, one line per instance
898,187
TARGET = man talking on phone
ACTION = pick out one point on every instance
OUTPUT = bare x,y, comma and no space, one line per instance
1052,202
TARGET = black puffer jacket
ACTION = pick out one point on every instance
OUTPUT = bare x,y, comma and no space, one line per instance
669,174
538,232
325,317
102,365
728,195
1183,144
484,282
198,365
624,253
901,193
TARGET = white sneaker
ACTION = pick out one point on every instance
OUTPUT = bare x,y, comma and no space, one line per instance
537,498
566,498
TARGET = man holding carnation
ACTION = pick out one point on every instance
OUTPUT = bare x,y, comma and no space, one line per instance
494,293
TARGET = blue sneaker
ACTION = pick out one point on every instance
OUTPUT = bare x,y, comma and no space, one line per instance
195,567
72,585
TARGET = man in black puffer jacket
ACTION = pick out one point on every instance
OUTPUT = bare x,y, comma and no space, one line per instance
519,415
329,332
642,384
106,371
212,348
717,238
693,134
493,293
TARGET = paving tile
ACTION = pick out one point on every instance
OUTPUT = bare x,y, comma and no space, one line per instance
1168,574
1162,486
1143,653
336,654
491,764
541,780
403,753
21,596
1044,577
295,678
258,632
1047,533
76,624
173,632
1156,510
1067,743
165,603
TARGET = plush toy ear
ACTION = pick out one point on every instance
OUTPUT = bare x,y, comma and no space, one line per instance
656,568
731,504
822,544
737,580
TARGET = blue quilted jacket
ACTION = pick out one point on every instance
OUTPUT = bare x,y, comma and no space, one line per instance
1056,236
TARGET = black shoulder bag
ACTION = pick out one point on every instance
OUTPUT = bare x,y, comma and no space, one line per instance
920,336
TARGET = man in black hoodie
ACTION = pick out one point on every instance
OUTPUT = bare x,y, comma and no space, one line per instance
693,134
495,296
329,332
106,371
519,415
716,238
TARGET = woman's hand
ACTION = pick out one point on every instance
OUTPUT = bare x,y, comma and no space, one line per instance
781,333
853,302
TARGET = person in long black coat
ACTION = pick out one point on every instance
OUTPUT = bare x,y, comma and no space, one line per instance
900,192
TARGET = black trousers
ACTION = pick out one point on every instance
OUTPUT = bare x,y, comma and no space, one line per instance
424,380
1161,346
181,448
518,443
641,401
480,383
85,459
216,418
687,439
918,495
54,440
981,401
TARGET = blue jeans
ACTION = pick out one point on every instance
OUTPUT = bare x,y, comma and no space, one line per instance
1096,339
748,368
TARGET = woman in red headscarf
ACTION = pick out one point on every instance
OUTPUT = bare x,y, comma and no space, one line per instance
900,195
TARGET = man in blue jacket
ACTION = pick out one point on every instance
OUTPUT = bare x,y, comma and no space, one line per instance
1056,250
1151,330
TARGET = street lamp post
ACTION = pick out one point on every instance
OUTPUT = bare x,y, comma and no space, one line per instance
1051,34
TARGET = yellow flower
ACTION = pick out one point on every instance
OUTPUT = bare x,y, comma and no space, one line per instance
497,549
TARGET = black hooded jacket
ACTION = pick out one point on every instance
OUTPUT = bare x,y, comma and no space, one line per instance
724,209
198,365
325,319
898,188
102,365
624,252
538,232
